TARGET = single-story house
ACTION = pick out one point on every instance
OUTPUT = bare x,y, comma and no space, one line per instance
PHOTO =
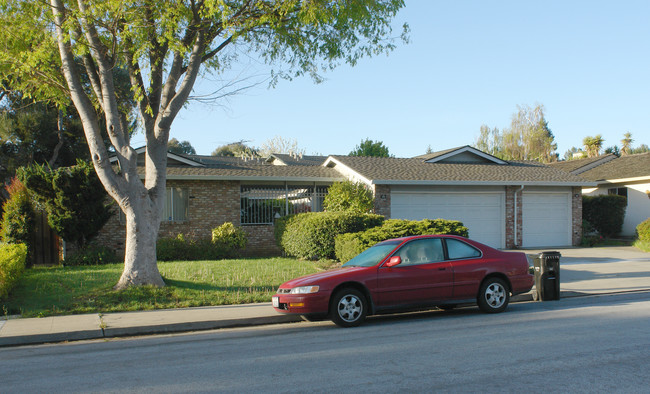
627,176
504,204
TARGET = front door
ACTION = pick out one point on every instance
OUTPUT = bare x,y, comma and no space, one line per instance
422,277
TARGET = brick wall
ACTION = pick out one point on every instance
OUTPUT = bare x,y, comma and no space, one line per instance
511,191
382,200
211,203
576,208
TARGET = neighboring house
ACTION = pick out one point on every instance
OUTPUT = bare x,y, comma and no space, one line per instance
504,204
627,176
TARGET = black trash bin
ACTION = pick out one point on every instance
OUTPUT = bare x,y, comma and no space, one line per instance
547,276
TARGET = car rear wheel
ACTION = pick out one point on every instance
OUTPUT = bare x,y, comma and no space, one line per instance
348,308
493,296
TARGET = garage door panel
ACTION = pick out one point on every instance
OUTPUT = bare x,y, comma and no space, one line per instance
546,219
482,214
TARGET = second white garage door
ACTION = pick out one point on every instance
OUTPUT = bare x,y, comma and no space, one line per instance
546,219
482,213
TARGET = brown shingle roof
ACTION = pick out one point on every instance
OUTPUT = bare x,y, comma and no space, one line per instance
394,170
581,165
632,166
235,168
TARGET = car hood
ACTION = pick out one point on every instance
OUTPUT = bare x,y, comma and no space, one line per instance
321,278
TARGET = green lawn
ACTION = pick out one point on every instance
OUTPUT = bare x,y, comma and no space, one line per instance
71,290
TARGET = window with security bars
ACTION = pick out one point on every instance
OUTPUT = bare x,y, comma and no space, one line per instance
264,204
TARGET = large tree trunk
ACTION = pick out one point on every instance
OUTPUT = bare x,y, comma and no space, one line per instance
140,264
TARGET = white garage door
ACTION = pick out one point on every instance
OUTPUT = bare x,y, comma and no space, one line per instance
481,213
546,219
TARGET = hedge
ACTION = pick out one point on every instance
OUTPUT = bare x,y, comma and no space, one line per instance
349,245
311,235
643,230
605,212
13,258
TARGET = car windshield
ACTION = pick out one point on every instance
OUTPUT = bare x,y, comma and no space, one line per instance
372,256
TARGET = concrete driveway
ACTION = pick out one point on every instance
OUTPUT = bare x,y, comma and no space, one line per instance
601,270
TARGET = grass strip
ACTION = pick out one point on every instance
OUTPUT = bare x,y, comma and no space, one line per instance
88,289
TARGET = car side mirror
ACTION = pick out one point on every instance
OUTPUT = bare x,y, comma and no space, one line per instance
395,260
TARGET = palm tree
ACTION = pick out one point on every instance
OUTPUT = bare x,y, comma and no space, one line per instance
593,145
626,143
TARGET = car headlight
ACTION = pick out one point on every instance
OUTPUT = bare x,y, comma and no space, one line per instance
305,290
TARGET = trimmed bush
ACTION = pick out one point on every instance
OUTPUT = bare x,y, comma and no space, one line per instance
605,212
311,235
91,255
13,258
643,230
349,245
348,196
229,236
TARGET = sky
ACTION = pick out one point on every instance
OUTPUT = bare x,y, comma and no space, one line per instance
468,63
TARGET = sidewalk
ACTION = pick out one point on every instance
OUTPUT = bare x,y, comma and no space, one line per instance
583,272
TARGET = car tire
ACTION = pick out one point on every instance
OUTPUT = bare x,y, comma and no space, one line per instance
493,297
348,308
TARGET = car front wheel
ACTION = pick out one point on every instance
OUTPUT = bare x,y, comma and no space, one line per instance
493,296
348,308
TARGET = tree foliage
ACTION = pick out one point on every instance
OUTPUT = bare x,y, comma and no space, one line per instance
281,145
528,137
62,50
236,149
593,145
370,148
74,199
181,147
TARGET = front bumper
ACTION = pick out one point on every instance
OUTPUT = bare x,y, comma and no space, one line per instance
301,304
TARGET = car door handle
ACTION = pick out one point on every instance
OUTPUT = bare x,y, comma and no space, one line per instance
442,269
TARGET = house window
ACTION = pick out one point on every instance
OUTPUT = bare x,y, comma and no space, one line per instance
176,205
264,204
620,191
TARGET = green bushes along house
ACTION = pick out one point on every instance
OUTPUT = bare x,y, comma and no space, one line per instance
349,245
605,212
311,235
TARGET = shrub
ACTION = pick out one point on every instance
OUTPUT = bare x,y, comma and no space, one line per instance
643,230
226,241
18,219
348,196
590,236
91,254
229,236
605,212
311,235
349,245
73,197
13,259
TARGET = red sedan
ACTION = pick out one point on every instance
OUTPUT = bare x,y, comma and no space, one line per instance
409,273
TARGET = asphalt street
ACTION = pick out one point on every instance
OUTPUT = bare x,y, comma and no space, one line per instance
585,344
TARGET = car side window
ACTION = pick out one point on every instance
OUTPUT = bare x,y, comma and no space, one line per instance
421,251
460,250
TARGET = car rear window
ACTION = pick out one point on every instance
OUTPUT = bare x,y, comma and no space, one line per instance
460,250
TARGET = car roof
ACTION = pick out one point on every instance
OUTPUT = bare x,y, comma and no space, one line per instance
411,237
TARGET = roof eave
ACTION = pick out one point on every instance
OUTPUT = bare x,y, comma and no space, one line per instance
480,183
